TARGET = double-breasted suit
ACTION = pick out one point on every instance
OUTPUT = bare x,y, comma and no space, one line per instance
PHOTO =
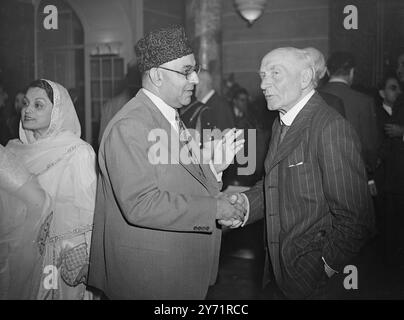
155,233
314,198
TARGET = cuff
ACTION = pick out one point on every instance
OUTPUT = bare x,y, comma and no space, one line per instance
218,176
247,207
327,268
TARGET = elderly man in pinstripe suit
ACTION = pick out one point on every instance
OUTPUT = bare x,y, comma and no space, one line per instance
314,196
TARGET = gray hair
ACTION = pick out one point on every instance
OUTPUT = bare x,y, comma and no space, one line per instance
318,62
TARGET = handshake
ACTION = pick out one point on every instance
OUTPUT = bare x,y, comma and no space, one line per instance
231,209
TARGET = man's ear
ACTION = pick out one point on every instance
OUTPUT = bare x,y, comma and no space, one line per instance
382,94
155,77
351,74
307,76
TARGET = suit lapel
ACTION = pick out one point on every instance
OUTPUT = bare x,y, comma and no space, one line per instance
174,157
295,134
276,131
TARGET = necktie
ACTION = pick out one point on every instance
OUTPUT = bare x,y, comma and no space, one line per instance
186,138
284,129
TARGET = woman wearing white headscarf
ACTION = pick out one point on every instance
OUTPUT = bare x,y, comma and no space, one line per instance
50,148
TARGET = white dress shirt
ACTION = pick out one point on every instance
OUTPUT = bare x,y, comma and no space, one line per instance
288,118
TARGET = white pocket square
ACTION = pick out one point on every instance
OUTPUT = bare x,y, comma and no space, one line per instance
295,165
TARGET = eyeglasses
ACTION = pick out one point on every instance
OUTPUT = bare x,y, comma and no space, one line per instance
187,74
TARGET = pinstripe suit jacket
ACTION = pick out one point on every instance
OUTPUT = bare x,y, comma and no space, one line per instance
314,198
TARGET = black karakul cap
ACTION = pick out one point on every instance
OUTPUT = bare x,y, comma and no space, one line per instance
161,46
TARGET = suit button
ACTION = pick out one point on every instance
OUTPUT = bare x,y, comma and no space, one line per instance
321,234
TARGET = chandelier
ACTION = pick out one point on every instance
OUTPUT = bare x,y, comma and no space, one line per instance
250,10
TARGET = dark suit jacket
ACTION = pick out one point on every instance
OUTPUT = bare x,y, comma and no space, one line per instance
5,135
155,234
215,114
219,113
333,101
390,173
315,199
360,112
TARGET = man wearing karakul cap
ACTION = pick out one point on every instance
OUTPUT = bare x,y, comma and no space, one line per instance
155,233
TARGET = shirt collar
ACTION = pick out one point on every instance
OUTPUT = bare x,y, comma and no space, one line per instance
388,109
288,118
338,80
167,111
208,96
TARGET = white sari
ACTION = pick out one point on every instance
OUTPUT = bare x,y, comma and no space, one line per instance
65,167
21,217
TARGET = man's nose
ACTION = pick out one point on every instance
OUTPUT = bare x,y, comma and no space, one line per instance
265,83
193,78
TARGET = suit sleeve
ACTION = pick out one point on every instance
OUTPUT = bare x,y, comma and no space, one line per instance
346,191
370,134
256,202
134,182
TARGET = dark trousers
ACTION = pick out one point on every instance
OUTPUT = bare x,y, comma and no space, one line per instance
393,225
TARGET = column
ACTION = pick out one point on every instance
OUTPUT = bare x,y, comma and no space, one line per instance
203,26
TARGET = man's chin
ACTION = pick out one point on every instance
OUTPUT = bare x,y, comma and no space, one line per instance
272,107
185,102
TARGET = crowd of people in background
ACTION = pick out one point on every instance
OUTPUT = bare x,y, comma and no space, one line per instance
40,129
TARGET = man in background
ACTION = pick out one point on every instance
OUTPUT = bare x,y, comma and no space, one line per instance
219,114
359,108
320,69
390,171
4,131
130,86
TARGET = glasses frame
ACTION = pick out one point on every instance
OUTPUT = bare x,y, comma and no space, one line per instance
195,69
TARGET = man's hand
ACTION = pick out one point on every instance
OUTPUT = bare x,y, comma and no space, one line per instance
229,210
372,188
394,130
238,201
223,151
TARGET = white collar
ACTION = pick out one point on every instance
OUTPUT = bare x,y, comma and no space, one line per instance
388,109
288,118
338,80
167,111
208,96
